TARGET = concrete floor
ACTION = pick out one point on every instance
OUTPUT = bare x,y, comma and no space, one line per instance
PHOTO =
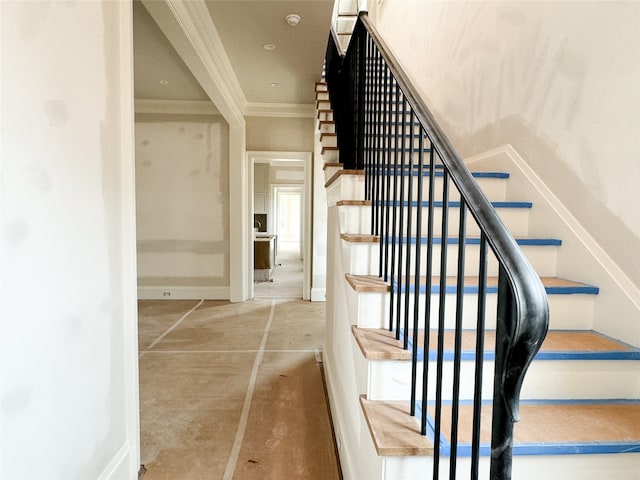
234,391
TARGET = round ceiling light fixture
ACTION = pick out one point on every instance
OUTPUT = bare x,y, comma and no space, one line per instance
292,19
269,46
274,84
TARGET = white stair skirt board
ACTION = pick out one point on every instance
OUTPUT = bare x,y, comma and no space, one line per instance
345,186
325,115
354,218
330,169
329,155
328,140
327,127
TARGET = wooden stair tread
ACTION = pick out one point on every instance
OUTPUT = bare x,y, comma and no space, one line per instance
452,241
551,284
339,173
545,427
367,283
359,238
393,431
553,426
380,344
354,203
472,281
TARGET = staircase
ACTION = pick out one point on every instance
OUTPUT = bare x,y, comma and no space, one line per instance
580,401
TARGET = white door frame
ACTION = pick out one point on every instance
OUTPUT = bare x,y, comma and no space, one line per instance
263,156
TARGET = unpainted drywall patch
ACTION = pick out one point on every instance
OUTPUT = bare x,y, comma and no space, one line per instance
75,326
57,112
40,177
15,233
16,400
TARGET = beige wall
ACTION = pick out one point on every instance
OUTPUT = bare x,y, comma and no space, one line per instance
280,134
69,400
560,81
182,189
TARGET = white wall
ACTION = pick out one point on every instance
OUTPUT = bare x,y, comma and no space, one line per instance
182,189
557,80
69,326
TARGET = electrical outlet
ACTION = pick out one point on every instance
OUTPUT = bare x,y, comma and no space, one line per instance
166,294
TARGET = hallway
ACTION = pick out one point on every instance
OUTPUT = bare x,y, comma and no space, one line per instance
233,391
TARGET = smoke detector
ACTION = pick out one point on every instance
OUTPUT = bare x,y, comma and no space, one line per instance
292,19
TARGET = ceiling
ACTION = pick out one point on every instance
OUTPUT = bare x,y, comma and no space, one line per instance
244,26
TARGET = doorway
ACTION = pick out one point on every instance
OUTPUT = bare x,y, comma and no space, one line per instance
288,208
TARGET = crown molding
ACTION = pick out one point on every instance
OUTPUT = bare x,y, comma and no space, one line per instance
176,107
279,110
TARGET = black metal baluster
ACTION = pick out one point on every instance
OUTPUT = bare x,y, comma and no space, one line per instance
410,208
428,288
362,37
441,324
386,185
457,353
401,225
480,325
416,274
396,207
379,140
367,138
370,113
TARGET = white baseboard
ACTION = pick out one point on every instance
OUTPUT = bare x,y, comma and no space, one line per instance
118,466
318,294
169,292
